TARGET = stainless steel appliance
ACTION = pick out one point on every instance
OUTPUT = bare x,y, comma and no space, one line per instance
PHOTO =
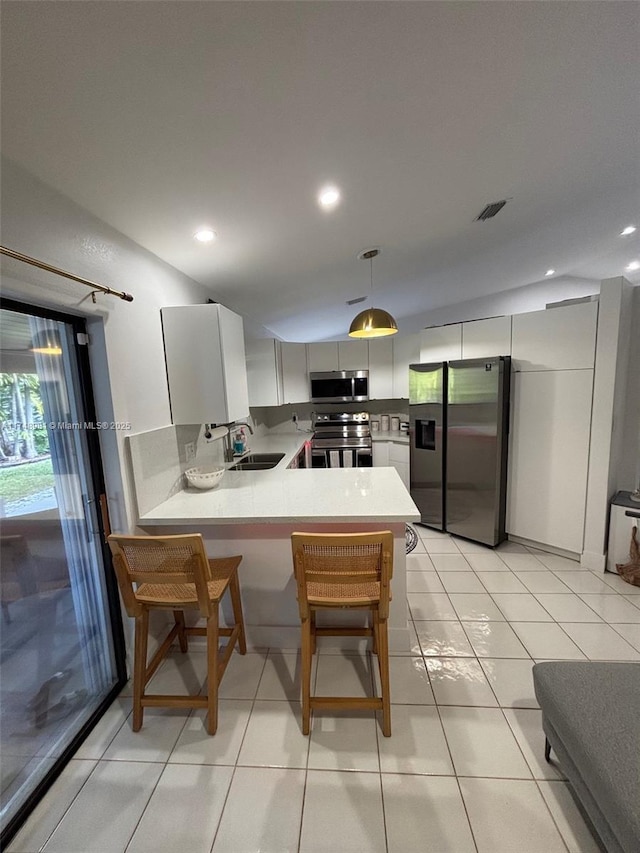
341,440
340,386
459,423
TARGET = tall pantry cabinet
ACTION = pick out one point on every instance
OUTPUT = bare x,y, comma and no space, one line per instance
553,359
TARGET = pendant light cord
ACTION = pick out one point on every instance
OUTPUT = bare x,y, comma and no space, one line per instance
371,262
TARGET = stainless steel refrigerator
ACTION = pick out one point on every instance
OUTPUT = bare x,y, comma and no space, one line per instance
459,424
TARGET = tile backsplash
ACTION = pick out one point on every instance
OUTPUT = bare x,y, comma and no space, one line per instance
159,459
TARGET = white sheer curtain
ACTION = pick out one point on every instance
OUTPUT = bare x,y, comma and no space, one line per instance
61,397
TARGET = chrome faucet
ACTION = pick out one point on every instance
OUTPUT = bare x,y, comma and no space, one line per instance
227,447
228,443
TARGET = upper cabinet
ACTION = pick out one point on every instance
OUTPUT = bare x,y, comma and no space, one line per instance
263,378
380,369
406,351
556,338
441,343
206,365
486,338
334,355
353,355
294,373
323,356
276,372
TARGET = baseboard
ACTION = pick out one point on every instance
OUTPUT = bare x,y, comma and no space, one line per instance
542,546
593,560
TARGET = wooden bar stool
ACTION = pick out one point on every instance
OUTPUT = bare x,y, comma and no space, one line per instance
174,573
350,571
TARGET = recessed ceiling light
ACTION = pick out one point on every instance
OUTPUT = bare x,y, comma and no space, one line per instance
630,229
550,272
329,197
633,266
205,235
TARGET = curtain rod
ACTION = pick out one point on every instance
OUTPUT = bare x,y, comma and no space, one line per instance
41,265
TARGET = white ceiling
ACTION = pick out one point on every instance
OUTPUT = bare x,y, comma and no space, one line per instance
160,116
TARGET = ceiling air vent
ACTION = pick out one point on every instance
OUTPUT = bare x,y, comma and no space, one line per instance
490,210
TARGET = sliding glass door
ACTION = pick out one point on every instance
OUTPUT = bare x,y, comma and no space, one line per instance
61,650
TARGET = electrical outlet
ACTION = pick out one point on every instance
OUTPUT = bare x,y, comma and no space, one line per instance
190,451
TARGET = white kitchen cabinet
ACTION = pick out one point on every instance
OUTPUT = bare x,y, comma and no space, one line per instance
390,454
381,368
206,366
406,351
322,356
294,373
486,338
549,456
353,355
399,459
380,454
555,339
441,343
263,377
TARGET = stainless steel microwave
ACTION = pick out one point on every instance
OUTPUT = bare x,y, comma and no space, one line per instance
339,386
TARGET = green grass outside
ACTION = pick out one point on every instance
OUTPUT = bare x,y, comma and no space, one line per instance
21,481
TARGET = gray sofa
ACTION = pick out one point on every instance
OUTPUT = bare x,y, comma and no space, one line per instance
591,719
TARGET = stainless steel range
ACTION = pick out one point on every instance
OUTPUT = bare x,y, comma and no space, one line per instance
341,440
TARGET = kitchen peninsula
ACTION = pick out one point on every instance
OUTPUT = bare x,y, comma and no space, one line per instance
253,513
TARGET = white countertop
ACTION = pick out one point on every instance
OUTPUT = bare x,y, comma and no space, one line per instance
288,495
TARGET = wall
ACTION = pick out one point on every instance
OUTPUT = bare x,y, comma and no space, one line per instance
126,350
628,458
607,454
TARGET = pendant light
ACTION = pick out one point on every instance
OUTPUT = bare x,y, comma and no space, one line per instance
372,322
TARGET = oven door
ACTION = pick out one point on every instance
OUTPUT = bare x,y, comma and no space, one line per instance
342,457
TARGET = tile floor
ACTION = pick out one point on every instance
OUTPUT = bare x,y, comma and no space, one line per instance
463,771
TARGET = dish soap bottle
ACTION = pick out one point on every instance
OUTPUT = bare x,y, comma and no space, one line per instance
238,444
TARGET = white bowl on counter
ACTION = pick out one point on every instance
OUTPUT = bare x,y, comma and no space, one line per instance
207,477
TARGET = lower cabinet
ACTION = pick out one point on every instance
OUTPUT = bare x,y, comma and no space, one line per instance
381,454
390,454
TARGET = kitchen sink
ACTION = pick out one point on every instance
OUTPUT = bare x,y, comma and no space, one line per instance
257,462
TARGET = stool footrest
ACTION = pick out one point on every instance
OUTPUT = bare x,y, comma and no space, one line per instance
202,632
167,700
343,632
336,702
